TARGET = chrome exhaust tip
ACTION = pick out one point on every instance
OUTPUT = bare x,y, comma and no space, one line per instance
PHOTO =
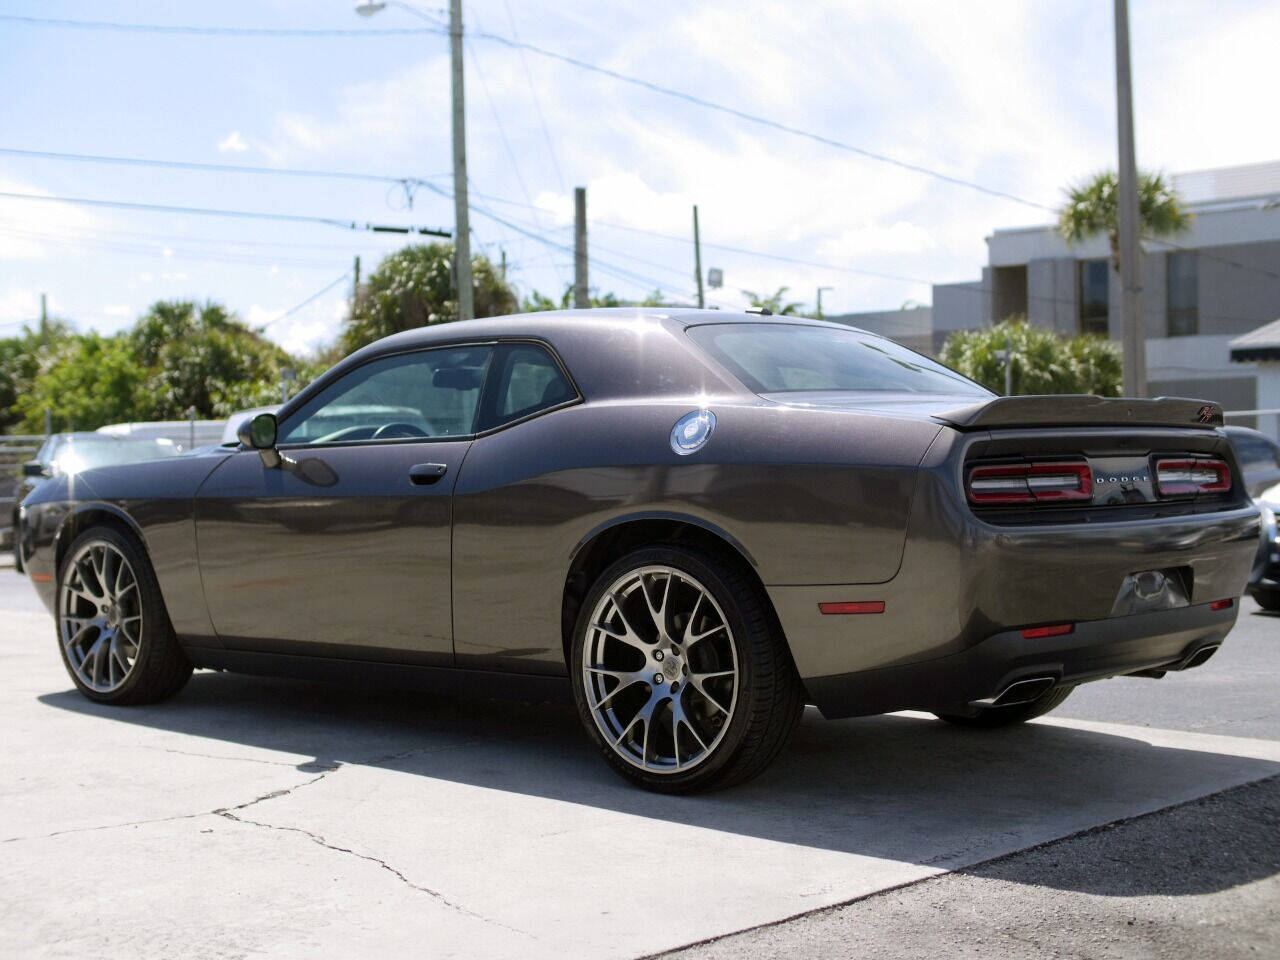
1020,691
1199,656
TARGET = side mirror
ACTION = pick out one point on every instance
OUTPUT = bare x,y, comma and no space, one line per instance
260,434
34,468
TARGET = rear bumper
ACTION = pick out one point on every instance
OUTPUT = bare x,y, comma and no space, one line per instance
1165,640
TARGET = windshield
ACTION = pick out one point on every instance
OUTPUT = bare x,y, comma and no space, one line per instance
787,358
75,456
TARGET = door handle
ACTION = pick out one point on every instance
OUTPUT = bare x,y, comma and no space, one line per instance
427,473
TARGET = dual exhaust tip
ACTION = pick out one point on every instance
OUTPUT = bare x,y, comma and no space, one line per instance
1033,688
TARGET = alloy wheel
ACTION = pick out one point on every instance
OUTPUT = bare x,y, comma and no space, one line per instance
100,616
660,670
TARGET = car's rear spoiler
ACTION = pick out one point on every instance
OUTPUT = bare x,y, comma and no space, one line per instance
1080,410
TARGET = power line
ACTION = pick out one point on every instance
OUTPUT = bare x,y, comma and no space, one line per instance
580,64
241,214
217,167
118,27
311,299
537,101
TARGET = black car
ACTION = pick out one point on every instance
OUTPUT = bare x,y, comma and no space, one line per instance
1259,458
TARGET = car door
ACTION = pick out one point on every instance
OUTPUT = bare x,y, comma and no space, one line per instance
344,550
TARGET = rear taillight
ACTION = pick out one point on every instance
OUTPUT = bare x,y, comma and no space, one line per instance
1180,478
1030,482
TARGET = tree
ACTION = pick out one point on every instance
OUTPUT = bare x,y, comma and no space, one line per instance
1091,208
536,302
774,303
87,380
414,287
1043,361
21,360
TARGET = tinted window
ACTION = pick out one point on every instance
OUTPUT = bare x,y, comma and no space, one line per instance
1183,294
1095,279
780,358
526,379
433,393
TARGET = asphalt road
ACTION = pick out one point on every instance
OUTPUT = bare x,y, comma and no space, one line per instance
253,817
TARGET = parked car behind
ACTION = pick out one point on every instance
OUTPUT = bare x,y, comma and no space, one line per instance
188,434
66,454
1264,580
1259,458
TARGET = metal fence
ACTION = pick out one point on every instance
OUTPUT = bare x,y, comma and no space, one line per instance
14,451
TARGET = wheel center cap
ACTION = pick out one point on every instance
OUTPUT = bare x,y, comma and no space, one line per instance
671,668
113,616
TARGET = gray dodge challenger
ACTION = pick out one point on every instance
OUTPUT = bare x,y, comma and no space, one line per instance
692,523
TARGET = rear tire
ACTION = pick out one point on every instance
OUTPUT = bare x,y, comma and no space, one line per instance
113,630
990,718
680,672
1266,599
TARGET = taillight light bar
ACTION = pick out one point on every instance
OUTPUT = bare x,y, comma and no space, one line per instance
1046,482
1183,477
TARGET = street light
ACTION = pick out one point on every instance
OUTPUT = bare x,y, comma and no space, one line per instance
461,211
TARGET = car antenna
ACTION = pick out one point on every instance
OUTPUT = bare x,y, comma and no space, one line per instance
763,311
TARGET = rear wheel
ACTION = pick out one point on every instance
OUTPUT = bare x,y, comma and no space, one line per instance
680,672
991,717
113,629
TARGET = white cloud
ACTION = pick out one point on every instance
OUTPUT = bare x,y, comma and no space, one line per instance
303,332
117,310
869,238
232,143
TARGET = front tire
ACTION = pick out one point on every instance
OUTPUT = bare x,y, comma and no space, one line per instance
680,672
990,718
113,630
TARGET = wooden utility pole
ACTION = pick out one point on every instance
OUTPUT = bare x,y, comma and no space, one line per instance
461,214
355,284
697,258
1134,339
581,297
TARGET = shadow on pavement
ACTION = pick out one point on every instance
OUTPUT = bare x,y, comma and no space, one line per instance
893,787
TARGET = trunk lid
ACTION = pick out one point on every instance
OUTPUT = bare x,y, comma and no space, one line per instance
1079,410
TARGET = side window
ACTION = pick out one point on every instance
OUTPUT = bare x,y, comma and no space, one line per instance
431,393
525,379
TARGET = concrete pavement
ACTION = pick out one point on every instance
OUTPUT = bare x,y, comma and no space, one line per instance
254,817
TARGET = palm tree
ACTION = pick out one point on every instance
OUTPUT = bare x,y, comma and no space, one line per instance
774,303
1091,208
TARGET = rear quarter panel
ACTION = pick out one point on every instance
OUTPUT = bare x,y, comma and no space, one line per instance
808,497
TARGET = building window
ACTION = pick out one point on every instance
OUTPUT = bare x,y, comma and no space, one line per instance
1183,287
1094,278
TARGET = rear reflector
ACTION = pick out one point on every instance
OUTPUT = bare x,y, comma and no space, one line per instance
1056,630
1030,482
1180,478
1221,604
853,606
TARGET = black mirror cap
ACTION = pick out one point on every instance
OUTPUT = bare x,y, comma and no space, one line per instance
34,468
258,433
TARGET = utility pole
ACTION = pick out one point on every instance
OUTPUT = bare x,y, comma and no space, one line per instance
503,251
1008,365
44,318
697,258
819,299
1135,345
355,284
581,298
461,216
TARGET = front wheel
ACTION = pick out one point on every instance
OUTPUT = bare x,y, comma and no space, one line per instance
113,629
681,675
988,718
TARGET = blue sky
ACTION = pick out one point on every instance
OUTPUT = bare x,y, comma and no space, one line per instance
1017,96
